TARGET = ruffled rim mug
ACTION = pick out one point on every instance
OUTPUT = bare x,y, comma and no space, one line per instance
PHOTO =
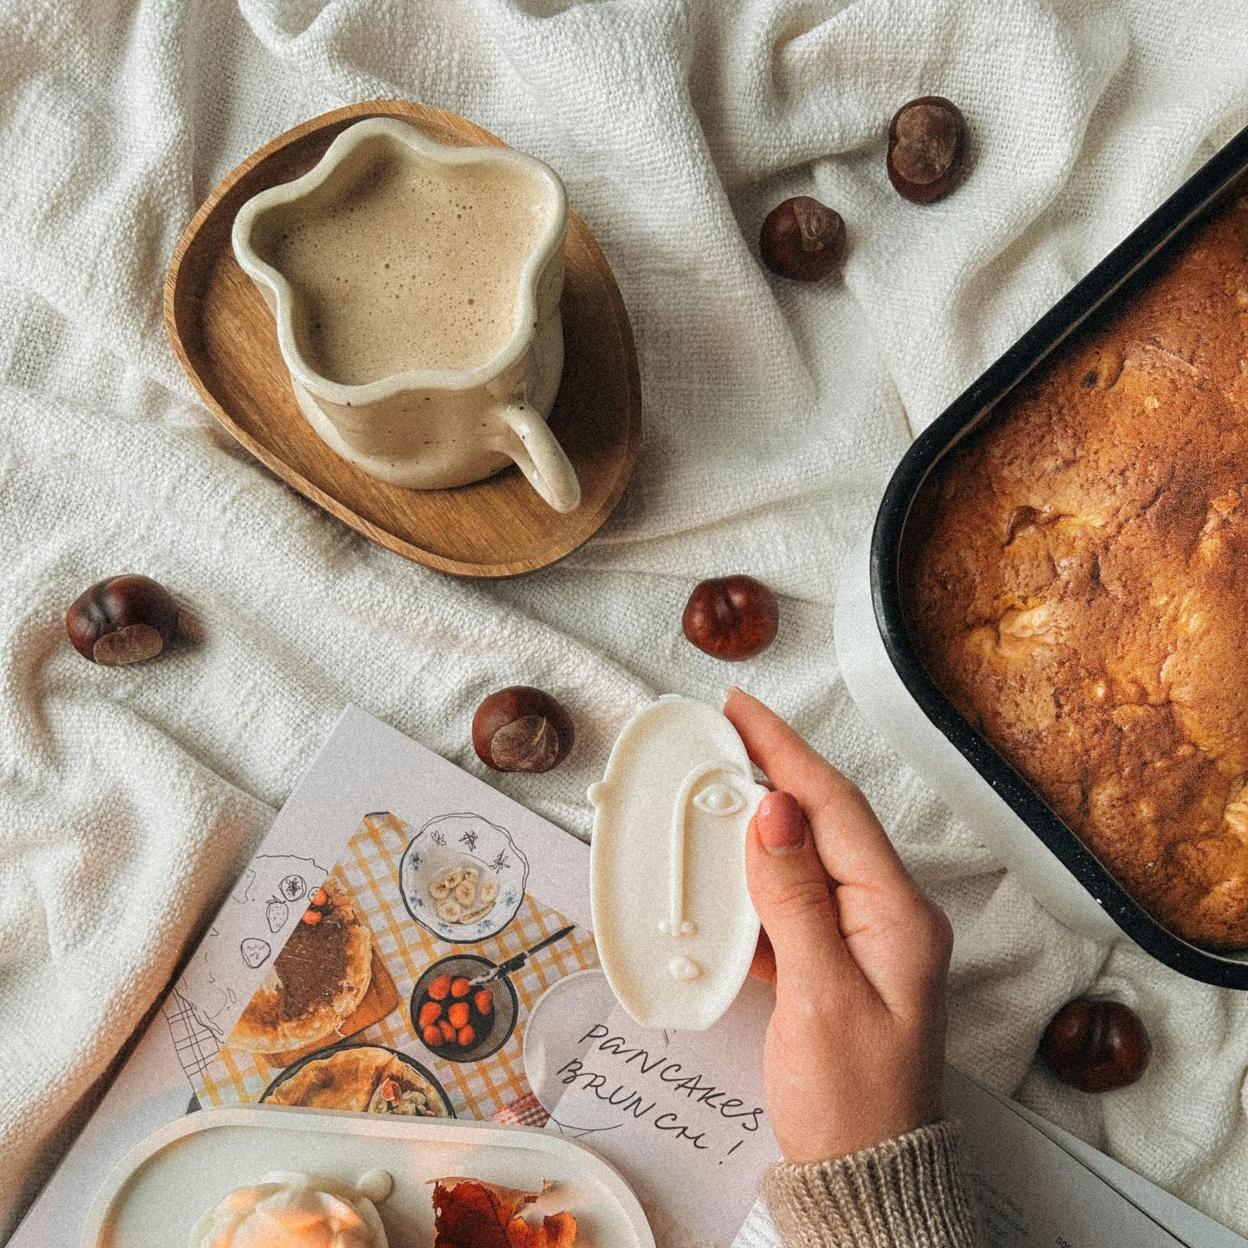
431,428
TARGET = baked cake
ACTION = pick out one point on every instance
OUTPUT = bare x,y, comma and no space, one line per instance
1077,585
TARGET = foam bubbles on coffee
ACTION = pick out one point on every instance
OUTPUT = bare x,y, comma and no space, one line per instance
409,266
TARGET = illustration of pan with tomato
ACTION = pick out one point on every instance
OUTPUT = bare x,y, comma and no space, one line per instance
464,1007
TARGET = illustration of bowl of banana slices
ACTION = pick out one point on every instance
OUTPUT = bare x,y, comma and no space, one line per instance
463,877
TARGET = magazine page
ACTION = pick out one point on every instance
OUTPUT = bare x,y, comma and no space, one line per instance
408,943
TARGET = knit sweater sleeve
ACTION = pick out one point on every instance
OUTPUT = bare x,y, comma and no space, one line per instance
908,1192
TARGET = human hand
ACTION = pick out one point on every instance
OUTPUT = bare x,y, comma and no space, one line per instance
857,955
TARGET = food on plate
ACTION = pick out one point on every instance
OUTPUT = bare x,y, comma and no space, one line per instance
802,239
291,1210
470,1213
928,149
460,895
287,1210
1096,1045
450,911
453,1014
463,877
363,1078
1075,586
731,617
315,982
673,920
521,729
124,619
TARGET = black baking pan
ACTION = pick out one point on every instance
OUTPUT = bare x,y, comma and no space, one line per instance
1106,288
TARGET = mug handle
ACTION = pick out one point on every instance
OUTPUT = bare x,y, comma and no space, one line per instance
540,457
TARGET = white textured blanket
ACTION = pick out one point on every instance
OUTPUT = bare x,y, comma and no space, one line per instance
773,415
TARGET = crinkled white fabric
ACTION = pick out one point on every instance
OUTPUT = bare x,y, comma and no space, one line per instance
774,412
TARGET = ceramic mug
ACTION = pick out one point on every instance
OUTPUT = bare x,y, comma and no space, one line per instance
431,428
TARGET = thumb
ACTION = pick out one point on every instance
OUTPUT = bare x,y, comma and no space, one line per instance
792,893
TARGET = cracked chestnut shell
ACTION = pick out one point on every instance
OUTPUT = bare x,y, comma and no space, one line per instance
124,619
731,617
1096,1045
521,729
802,239
928,145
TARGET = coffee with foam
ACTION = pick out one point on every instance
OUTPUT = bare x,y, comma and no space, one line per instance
409,266
416,290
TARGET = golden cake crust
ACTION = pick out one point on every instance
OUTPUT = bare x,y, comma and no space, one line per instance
1078,587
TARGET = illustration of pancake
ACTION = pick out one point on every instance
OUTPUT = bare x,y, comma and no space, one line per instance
366,1079
673,920
315,982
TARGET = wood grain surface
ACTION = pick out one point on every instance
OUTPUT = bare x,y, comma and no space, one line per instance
225,339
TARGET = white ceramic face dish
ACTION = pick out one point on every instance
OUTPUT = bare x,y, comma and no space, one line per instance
429,427
673,920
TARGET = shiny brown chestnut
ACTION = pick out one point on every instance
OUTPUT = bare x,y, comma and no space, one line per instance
521,729
124,619
928,146
802,239
732,617
1096,1045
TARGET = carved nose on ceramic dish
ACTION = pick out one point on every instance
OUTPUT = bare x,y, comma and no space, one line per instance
707,796
415,289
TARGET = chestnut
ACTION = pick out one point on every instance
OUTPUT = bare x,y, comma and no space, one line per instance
124,619
521,729
732,617
927,149
802,239
1096,1045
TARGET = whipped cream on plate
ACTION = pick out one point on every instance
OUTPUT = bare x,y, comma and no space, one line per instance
287,1210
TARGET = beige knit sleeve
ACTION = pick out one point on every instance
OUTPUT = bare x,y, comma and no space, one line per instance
908,1192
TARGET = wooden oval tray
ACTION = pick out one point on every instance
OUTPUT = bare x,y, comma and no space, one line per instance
224,336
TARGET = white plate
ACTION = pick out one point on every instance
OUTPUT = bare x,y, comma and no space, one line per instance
463,840
552,1034
159,1190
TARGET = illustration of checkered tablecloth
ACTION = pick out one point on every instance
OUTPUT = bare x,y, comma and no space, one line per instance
493,1087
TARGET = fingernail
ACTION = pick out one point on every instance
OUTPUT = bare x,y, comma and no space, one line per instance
724,694
781,824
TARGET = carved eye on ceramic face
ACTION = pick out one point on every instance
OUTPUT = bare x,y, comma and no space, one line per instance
719,799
